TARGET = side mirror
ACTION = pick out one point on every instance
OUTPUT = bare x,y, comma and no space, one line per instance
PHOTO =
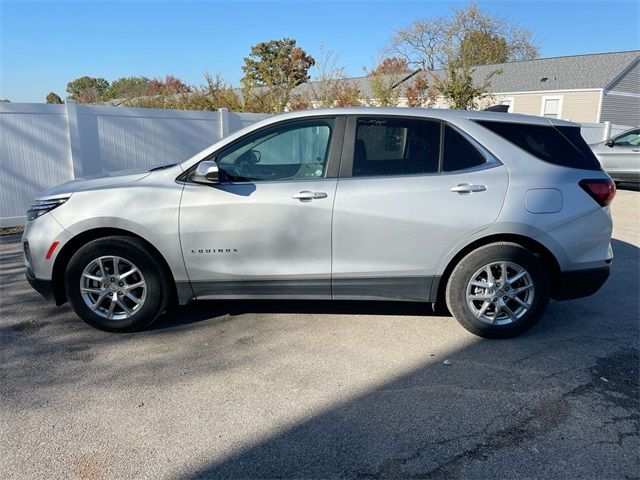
206,172
609,143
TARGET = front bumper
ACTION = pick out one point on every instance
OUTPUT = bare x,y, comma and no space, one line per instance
580,283
40,234
43,287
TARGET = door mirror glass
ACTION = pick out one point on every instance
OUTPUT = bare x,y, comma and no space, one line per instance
206,172
609,143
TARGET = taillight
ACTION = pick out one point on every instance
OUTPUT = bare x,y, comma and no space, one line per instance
601,190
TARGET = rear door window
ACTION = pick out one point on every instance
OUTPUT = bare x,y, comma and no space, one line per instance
392,146
562,145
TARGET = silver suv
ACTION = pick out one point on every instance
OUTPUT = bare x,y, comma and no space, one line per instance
490,213
620,156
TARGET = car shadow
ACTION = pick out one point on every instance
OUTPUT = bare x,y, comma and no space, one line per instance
566,387
203,310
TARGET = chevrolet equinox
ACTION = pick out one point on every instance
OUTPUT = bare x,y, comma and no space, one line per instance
489,213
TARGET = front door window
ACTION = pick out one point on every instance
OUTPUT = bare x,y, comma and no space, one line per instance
628,139
292,151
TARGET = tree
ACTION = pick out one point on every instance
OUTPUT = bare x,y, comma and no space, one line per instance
215,94
459,88
173,93
467,33
483,48
271,71
330,87
54,98
421,43
170,85
495,36
419,92
456,43
127,88
385,81
87,89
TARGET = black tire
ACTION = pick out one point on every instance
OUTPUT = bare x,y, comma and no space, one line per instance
456,292
132,250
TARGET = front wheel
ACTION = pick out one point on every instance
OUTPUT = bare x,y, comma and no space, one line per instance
498,291
113,284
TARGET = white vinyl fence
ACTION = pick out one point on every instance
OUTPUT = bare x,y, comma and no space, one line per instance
598,132
42,145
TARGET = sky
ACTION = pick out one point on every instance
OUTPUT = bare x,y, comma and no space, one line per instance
44,45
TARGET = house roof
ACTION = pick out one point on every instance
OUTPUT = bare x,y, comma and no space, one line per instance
595,70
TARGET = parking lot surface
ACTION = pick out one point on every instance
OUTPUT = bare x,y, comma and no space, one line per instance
317,390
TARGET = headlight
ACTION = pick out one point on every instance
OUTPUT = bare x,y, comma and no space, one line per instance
40,207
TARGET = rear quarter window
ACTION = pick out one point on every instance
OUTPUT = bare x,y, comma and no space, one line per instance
562,146
459,154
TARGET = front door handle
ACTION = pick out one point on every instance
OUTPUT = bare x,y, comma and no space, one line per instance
468,188
308,195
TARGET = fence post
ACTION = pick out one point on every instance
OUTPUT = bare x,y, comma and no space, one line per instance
74,138
607,130
224,122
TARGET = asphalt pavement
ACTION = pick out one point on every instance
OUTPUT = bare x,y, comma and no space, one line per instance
323,390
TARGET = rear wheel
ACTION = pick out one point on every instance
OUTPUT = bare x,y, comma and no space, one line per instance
498,291
113,284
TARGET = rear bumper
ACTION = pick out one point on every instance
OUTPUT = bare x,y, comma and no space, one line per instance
43,287
580,283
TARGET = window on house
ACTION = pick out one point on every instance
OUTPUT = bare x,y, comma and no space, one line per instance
551,107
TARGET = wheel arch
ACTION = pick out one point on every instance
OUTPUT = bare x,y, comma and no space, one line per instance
549,261
78,241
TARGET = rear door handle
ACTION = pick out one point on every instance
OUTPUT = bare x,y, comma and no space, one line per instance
468,188
308,195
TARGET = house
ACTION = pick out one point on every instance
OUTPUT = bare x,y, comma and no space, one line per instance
599,87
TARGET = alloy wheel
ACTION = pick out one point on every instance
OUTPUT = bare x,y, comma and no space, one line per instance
113,287
500,293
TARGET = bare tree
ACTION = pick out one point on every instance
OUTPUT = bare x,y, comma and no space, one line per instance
455,44
431,43
421,43
330,87
508,42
